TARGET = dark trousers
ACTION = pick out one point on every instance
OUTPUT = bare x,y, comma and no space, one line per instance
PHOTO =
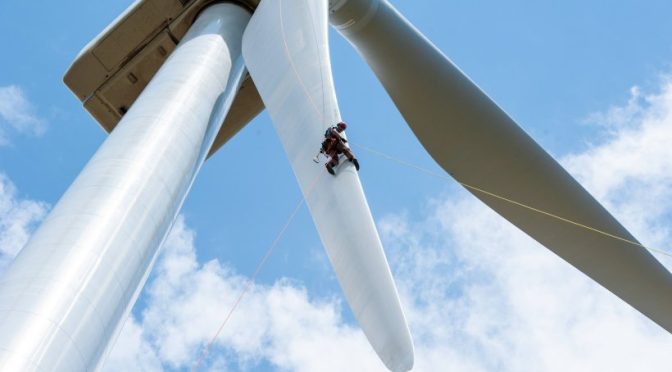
335,148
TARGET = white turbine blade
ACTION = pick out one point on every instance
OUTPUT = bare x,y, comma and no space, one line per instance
481,147
286,50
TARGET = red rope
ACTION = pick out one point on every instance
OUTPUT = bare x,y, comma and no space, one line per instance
291,217
253,278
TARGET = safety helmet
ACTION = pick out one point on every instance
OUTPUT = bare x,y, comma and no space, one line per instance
341,126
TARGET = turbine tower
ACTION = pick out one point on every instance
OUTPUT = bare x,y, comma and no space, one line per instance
169,81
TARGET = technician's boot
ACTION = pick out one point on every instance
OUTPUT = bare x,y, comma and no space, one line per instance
356,163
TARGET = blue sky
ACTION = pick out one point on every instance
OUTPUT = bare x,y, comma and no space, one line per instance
589,81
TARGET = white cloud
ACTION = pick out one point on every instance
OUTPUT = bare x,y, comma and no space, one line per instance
479,295
18,113
632,173
506,303
186,303
501,302
18,218
132,352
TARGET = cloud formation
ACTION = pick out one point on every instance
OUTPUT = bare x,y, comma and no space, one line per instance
18,219
279,324
17,113
479,294
631,174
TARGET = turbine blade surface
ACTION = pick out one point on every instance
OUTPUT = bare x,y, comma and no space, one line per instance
285,47
478,144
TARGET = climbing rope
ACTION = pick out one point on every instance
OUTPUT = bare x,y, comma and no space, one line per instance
511,201
253,278
270,250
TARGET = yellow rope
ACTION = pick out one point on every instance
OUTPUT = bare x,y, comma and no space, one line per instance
474,188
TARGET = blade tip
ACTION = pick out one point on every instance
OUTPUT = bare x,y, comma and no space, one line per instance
401,362
401,359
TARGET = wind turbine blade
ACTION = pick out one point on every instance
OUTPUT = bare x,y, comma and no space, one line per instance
285,47
482,147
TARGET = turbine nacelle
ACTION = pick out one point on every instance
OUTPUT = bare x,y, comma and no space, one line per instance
113,69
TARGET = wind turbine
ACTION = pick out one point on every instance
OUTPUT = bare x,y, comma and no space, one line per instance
167,79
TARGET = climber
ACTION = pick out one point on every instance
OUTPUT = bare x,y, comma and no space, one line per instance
334,145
